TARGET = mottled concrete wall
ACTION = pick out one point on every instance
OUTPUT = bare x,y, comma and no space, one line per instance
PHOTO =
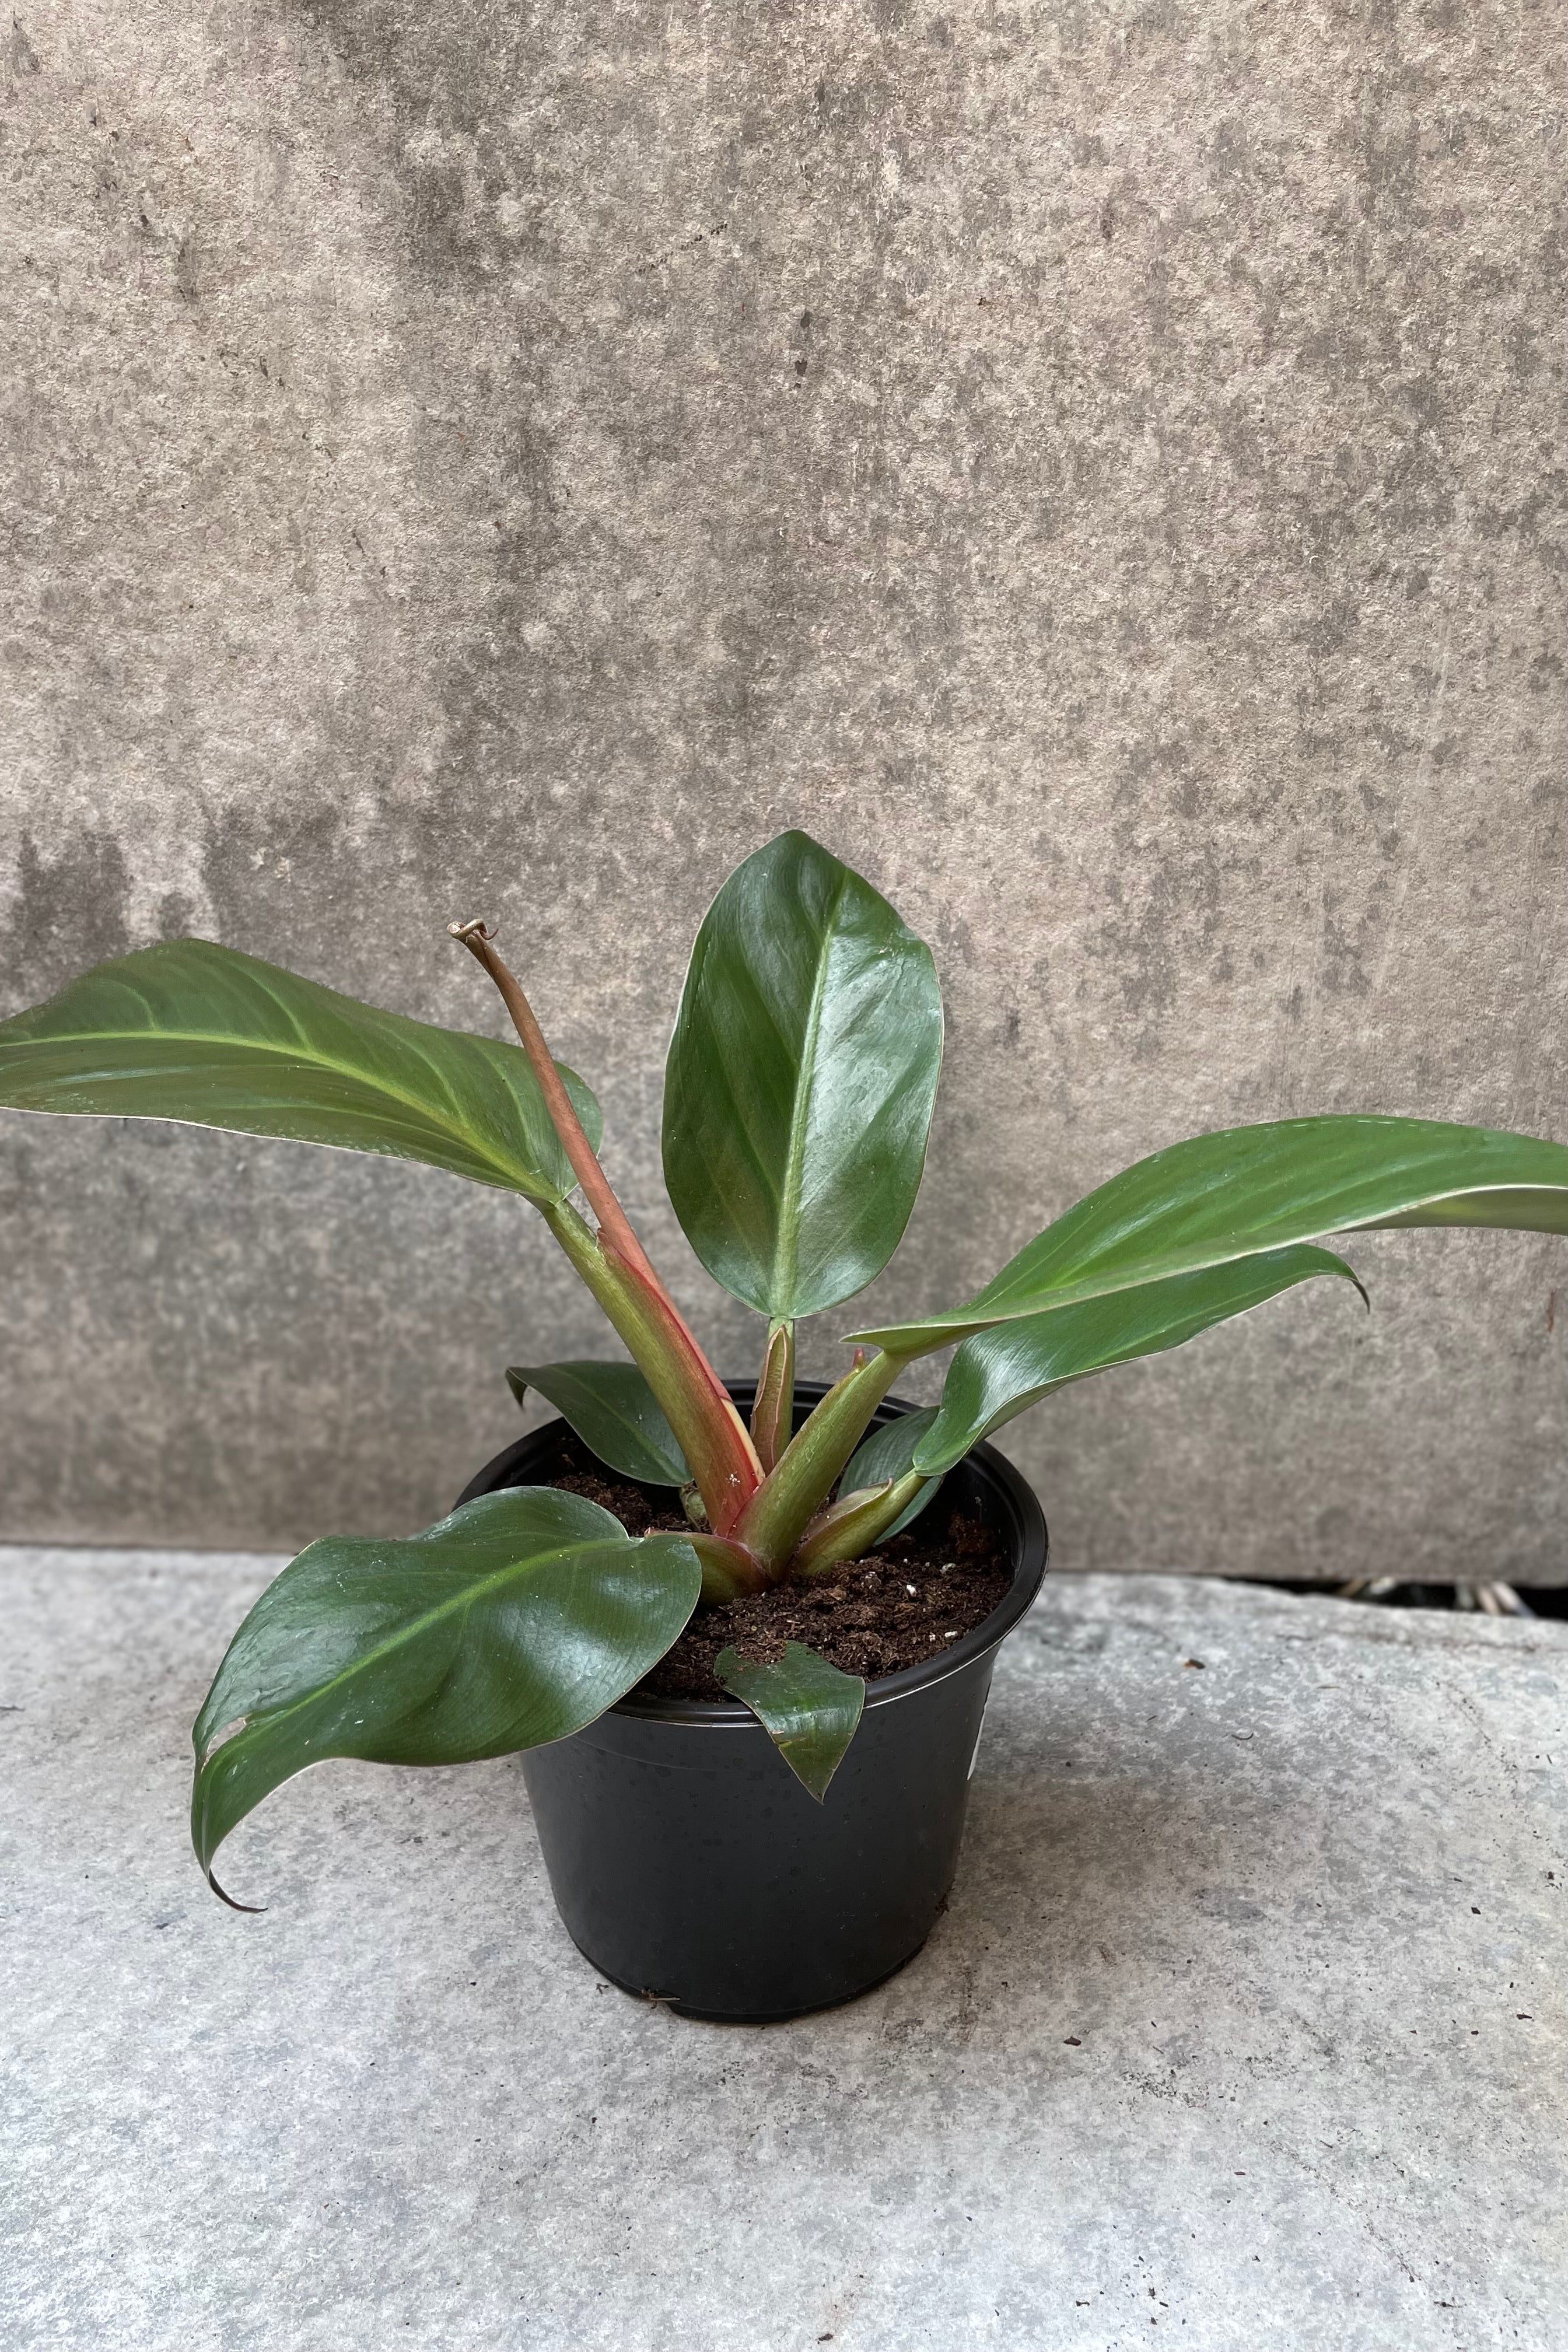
1100,468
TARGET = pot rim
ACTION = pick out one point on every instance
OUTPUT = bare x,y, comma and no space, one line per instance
1030,1547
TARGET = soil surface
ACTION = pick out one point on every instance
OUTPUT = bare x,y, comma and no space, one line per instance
901,1606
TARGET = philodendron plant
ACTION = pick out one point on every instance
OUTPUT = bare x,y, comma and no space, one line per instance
798,1097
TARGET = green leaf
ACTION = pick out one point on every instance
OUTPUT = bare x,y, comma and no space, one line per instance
1001,1372
195,1032
887,1453
809,1710
1246,1189
800,1082
517,1620
615,1414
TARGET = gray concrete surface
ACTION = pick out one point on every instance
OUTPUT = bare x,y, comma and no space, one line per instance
1100,468
1244,2028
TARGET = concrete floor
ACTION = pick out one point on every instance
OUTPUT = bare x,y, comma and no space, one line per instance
1244,2027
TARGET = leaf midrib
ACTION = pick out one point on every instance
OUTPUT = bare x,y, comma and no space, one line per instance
453,1123
787,1240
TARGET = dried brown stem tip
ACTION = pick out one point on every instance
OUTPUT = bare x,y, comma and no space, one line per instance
618,1247
476,936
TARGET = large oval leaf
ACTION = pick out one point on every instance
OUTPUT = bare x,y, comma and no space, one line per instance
809,1709
199,1032
517,1620
800,1082
1234,1194
615,1414
999,1373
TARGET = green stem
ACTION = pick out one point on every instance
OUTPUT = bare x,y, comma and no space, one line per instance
855,1525
728,1570
772,1414
774,1521
708,1429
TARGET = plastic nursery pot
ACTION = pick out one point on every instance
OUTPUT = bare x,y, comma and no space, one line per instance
686,1859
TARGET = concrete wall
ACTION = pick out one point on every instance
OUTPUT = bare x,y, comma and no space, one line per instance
1100,468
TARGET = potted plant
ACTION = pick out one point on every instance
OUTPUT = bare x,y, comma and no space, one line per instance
742,1636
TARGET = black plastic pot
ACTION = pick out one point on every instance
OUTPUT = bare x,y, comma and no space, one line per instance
687,1860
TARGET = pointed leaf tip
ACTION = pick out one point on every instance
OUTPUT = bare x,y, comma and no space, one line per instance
251,1910
809,1708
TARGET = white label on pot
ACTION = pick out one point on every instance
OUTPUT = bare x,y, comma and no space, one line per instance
979,1735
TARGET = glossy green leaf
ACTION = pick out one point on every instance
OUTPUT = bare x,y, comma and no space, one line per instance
615,1414
887,1453
800,1082
517,1620
809,1709
999,1373
201,1034
1217,1198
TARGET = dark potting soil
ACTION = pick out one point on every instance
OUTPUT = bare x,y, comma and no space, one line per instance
901,1606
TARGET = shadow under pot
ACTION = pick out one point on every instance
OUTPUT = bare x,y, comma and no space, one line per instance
687,1860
